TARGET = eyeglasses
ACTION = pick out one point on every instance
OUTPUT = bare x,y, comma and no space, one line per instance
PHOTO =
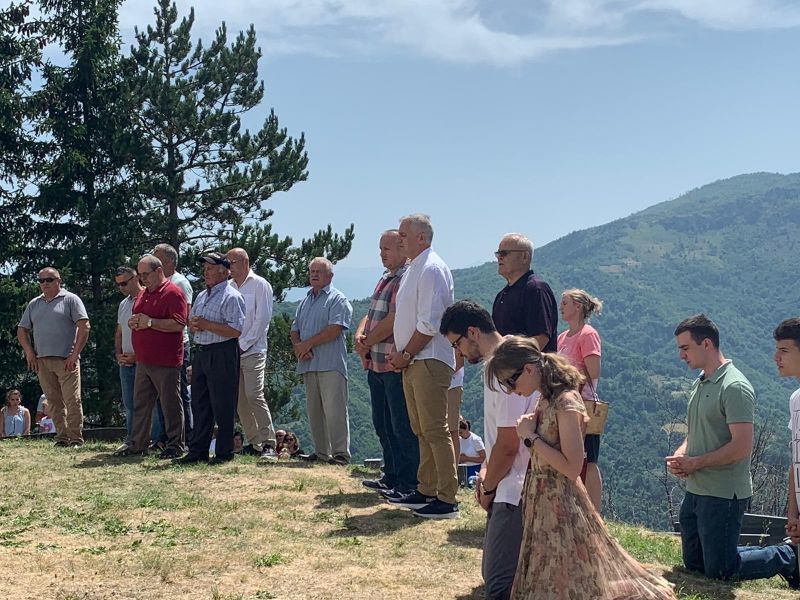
509,384
126,282
48,279
455,344
504,253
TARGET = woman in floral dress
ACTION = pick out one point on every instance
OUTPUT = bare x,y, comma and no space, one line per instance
567,552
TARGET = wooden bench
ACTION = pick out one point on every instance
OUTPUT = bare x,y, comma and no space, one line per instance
757,530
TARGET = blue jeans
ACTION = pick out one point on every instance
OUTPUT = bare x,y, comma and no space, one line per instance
127,375
390,419
710,528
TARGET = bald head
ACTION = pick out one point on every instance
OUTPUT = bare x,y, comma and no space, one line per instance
240,264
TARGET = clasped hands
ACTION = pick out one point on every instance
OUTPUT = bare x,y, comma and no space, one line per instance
681,465
303,350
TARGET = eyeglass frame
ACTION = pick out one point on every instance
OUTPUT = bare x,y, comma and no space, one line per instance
504,253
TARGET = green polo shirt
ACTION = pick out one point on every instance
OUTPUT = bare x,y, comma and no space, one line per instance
717,401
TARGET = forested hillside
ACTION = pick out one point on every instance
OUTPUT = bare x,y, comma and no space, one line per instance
729,249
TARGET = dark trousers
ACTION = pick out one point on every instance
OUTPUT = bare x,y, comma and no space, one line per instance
390,419
152,385
710,529
158,432
501,544
215,389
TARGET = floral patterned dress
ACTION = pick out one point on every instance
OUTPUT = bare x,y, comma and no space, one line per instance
567,552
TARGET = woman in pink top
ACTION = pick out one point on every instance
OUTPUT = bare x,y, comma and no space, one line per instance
581,345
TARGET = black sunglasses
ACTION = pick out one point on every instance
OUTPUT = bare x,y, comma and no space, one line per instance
126,282
504,253
510,383
47,279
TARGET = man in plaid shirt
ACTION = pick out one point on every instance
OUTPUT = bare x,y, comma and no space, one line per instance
374,343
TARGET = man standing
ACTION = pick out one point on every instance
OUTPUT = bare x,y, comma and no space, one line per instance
127,280
470,330
427,361
216,320
375,342
159,316
252,407
59,324
169,262
319,344
526,306
715,461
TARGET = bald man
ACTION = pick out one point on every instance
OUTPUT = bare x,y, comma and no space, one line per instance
59,324
252,406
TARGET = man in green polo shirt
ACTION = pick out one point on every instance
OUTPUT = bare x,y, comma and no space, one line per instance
715,461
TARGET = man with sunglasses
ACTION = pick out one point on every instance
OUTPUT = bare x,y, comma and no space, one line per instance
472,333
526,306
128,284
58,321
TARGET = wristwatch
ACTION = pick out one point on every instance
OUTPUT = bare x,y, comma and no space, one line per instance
149,322
529,442
486,492
406,355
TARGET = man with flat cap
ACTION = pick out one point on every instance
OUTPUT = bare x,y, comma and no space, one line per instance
216,320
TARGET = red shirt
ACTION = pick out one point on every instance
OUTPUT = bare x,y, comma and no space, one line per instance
160,348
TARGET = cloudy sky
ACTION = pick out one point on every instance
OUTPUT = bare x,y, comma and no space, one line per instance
539,116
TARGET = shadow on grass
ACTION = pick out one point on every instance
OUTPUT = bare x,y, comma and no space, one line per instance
354,499
466,537
477,593
688,583
382,522
107,459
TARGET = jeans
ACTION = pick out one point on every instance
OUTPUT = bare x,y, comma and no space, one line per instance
127,375
710,529
390,419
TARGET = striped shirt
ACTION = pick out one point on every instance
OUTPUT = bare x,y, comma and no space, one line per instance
219,304
383,302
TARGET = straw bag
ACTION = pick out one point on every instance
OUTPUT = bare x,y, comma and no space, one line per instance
597,411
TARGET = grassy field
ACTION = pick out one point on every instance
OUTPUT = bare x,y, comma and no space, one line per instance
78,524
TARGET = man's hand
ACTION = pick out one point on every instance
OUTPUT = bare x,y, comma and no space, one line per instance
681,465
71,363
32,360
397,361
198,324
361,346
126,358
138,321
484,500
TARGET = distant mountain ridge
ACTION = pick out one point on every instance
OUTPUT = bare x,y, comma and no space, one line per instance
729,249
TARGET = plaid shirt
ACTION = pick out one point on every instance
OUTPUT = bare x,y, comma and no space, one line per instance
219,304
383,303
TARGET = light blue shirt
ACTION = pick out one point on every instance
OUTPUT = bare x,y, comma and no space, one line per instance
220,304
315,313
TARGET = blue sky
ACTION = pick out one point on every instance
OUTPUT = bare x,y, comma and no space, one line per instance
542,117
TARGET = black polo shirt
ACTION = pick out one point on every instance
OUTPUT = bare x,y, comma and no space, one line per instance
527,307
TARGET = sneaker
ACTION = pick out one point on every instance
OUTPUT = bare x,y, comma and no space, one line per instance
121,448
414,500
268,455
392,494
376,484
309,457
170,453
438,510
250,450
190,459
340,460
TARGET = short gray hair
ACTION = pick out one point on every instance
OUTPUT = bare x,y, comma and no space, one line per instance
421,224
321,259
521,240
169,252
152,261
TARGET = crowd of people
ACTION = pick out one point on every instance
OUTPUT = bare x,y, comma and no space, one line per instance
537,471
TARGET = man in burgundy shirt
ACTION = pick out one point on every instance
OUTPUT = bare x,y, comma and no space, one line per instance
159,316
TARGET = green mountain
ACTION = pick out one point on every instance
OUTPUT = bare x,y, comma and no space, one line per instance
729,249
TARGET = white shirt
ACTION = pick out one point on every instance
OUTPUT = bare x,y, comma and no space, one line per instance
257,294
794,427
188,293
124,312
425,292
457,380
503,410
471,446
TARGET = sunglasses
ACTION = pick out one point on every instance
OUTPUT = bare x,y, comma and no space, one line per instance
509,384
124,283
47,279
504,253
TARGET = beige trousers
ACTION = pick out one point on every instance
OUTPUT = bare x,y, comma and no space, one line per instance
326,403
252,407
63,391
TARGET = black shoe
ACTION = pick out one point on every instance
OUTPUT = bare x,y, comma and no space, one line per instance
190,459
415,500
170,453
220,460
61,444
309,457
128,451
340,460
75,443
376,484
438,510
392,494
157,446
249,450
793,579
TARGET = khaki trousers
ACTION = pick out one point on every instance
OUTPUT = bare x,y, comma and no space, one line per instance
252,407
425,384
326,403
63,391
163,385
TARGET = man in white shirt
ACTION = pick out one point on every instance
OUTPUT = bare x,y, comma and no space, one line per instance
427,361
252,406
169,262
127,280
471,331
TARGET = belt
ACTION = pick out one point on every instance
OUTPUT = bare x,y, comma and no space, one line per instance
216,346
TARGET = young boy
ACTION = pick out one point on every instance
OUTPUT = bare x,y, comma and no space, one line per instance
787,358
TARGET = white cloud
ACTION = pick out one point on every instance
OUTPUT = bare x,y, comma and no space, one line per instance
496,32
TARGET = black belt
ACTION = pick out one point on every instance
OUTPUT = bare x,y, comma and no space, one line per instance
216,346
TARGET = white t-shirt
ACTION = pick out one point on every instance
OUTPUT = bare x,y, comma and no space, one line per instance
794,427
185,287
471,446
124,312
457,380
503,410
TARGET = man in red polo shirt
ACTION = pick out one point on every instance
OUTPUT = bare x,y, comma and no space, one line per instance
159,316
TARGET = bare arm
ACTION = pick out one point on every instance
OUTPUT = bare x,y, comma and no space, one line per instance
118,341
476,459
503,453
24,338
26,419
592,363
739,448
330,333
383,330
218,328
569,459
81,337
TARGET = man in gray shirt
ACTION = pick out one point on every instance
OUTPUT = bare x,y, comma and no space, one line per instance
59,324
318,338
